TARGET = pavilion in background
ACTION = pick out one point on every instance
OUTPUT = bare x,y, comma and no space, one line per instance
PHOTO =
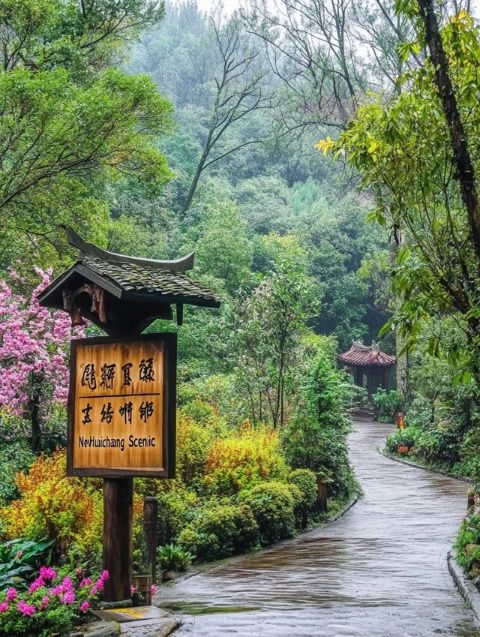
371,368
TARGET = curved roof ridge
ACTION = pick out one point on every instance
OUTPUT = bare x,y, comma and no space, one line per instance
176,265
361,355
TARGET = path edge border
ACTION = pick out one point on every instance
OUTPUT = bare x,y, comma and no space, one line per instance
465,586
416,465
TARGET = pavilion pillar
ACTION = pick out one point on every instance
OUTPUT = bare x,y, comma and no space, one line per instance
371,381
358,376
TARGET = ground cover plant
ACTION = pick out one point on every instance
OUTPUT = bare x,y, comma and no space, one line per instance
54,603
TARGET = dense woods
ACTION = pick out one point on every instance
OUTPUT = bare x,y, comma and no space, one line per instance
321,160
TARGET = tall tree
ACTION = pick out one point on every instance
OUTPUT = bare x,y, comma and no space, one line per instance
412,153
67,117
238,91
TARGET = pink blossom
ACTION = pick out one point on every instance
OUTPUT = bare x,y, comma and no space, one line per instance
96,588
85,607
133,589
86,581
3,607
45,601
153,589
36,584
67,584
69,597
26,609
56,591
48,573
11,594
33,346
104,575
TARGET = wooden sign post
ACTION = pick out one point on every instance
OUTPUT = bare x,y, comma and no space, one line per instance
122,387
121,423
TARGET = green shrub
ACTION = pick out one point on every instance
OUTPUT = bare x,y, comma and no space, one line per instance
19,558
272,504
435,446
176,510
323,449
470,455
402,438
467,545
316,437
194,442
173,558
219,530
14,458
386,403
305,480
246,457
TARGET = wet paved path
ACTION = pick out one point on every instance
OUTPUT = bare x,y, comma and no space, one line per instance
379,570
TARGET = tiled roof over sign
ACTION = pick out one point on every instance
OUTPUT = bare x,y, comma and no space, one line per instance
135,278
121,293
360,355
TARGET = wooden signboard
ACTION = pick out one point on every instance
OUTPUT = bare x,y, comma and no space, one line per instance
122,407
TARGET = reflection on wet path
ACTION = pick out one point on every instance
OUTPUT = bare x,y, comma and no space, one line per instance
379,571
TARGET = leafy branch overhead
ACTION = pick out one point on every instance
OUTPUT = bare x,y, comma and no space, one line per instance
418,152
67,117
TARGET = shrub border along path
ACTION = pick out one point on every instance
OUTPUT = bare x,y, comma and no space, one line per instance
426,467
464,584
209,566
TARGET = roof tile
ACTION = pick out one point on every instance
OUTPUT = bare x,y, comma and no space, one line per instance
360,355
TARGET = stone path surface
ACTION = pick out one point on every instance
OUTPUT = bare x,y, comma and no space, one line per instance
380,570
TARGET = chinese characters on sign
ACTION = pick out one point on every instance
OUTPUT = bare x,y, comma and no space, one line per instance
118,404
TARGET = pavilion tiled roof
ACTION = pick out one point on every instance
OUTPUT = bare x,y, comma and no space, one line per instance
360,355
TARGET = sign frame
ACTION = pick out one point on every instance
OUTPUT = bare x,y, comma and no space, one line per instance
169,339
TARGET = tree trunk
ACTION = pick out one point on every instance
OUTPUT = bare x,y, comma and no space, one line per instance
458,137
34,414
403,369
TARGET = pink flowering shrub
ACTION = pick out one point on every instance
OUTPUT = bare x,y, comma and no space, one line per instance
53,604
33,353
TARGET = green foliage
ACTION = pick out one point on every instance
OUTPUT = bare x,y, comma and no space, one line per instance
223,249
243,459
469,452
194,443
272,504
386,404
401,146
269,324
219,530
316,438
173,558
69,119
306,482
407,437
467,545
19,558
14,457
176,509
